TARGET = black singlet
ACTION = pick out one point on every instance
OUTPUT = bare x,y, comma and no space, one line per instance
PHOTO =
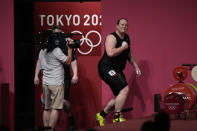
117,62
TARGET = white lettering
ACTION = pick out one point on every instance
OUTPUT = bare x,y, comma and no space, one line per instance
94,20
50,20
86,22
41,19
100,20
76,18
59,20
68,19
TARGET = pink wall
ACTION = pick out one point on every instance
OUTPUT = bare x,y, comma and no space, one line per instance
7,51
163,35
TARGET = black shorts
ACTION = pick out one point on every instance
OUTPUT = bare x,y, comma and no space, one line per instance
114,78
67,82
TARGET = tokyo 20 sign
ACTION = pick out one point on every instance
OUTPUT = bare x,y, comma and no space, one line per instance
74,17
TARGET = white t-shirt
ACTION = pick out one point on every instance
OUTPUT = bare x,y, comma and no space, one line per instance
52,65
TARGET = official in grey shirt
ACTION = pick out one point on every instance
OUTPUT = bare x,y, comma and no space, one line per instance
51,63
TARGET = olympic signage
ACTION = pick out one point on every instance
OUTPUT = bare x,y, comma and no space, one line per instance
74,17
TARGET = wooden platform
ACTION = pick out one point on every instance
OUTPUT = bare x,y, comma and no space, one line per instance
135,125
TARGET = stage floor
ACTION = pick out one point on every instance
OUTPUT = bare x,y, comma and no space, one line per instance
135,125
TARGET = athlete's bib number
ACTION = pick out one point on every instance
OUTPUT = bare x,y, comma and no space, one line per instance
112,73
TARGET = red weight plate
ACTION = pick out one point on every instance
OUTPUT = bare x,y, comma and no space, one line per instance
194,88
180,73
174,103
182,88
194,73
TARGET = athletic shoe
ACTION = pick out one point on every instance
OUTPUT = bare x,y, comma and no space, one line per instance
100,119
119,119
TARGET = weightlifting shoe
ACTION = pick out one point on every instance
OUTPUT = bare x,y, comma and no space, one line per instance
118,118
100,119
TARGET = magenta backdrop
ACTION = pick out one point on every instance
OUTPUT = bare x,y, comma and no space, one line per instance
7,52
163,35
